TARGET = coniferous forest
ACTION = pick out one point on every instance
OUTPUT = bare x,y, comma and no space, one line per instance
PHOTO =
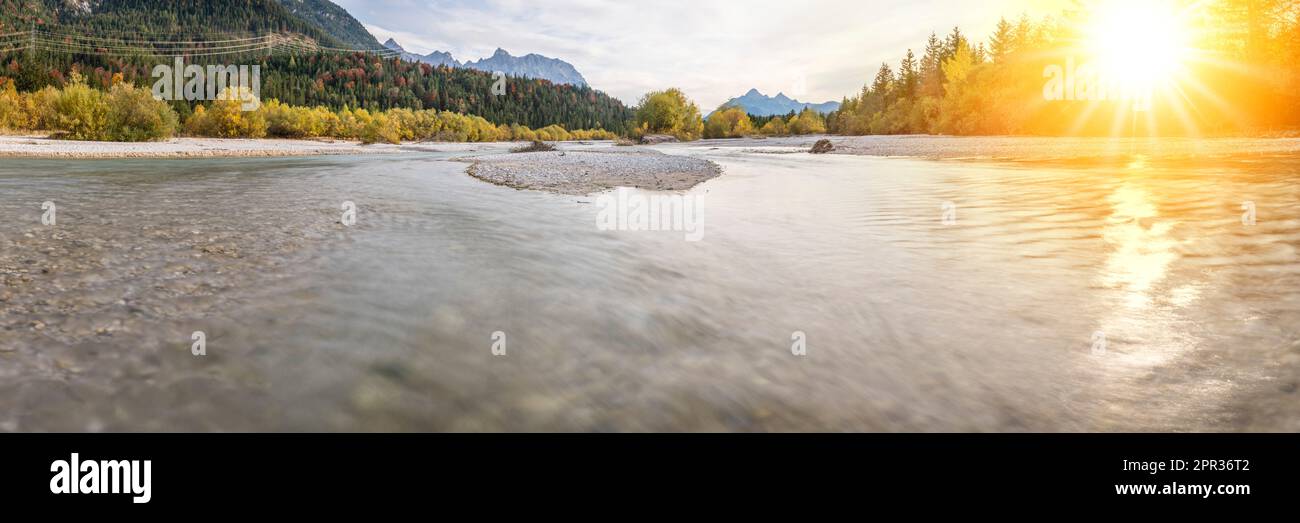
1241,74
301,64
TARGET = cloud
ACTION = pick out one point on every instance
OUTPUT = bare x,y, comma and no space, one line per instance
712,49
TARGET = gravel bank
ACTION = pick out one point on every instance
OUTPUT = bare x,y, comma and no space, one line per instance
587,172
38,147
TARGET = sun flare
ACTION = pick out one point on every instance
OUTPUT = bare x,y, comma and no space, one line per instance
1146,42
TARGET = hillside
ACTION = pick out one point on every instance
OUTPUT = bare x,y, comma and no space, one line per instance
334,21
130,19
104,38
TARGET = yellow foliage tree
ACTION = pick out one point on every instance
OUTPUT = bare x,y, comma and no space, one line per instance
669,112
728,122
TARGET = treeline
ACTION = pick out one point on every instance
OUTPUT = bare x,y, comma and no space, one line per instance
125,112
130,37
1246,79
355,80
734,122
670,112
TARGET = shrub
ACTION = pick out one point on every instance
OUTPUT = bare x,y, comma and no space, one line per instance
774,127
226,118
425,125
135,116
284,121
728,122
379,128
553,133
42,115
129,113
15,109
80,112
807,122
522,133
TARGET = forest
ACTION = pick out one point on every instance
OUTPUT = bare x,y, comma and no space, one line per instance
1236,72
1239,72
41,46
125,112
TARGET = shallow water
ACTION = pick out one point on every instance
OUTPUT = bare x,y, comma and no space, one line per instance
985,324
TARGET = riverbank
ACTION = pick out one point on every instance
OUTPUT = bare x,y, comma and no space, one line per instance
1018,148
41,147
995,148
38,147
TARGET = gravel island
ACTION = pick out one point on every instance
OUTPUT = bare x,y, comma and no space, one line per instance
585,172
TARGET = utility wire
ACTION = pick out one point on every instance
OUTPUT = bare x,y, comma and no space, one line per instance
104,46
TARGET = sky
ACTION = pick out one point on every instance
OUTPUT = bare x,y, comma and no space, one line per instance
714,50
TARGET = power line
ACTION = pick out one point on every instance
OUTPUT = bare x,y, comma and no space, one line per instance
180,49
150,42
85,51
129,34
103,46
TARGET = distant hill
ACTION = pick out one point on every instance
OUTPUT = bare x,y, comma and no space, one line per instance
334,21
758,104
527,66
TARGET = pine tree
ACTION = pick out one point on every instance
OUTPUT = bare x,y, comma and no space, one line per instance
931,74
909,78
954,42
881,89
1002,43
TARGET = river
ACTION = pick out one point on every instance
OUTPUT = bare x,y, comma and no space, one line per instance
928,295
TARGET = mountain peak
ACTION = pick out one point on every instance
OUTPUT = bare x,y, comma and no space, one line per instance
757,104
531,65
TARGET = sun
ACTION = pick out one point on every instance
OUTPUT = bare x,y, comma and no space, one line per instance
1142,42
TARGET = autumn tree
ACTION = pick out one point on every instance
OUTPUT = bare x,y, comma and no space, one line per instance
669,112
